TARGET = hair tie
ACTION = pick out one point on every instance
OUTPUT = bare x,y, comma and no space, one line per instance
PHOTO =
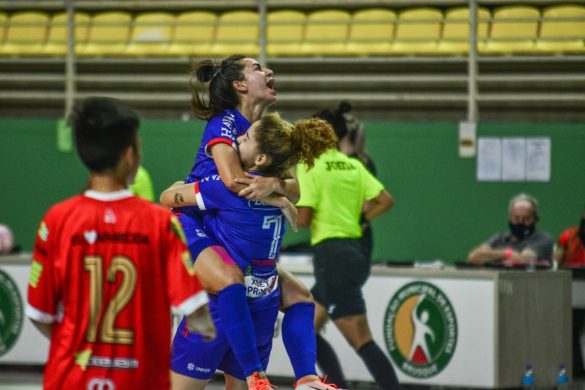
217,71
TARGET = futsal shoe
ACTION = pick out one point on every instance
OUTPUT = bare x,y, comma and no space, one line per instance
256,382
317,384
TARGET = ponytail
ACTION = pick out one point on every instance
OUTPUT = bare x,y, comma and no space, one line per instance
212,91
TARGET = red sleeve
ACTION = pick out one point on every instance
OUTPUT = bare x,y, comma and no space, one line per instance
564,238
185,291
218,140
43,286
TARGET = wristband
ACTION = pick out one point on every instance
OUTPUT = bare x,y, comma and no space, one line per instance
508,253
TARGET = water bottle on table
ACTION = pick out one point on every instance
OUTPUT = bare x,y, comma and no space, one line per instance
528,378
562,378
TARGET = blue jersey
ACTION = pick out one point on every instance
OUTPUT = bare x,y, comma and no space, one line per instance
223,128
250,231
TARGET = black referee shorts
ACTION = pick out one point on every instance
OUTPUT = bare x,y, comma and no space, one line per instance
341,269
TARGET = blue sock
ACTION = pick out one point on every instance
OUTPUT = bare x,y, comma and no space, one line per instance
298,335
237,322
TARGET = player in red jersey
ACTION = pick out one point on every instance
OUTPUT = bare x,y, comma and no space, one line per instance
107,267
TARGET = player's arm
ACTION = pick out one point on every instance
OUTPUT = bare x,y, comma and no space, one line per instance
379,205
252,187
45,329
305,216
286,187
179,195
186,294
484,253
44,289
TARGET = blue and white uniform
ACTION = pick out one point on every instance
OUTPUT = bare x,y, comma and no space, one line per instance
251,232
223,128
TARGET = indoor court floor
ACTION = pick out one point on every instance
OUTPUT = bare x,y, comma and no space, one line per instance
30,378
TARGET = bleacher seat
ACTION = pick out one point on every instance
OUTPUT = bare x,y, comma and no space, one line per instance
572,30
514,30
194,34
26,33
151,34
3,25
371,32
455,36
284,32
418,31
108,34
57,41
237,32
326,33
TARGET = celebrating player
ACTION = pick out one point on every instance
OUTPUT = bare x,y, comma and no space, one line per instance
239,89
251,232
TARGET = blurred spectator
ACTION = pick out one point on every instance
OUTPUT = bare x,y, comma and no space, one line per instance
522,242
6,240
570,250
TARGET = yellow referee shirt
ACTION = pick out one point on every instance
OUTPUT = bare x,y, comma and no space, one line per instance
336,189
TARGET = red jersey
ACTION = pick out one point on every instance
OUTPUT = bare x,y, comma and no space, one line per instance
574,251
106,269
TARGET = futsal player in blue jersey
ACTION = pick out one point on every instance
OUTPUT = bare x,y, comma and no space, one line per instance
251,232
231,96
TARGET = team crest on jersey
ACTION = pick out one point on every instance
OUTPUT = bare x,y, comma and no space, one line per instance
90,236
43,231
200,233
110,216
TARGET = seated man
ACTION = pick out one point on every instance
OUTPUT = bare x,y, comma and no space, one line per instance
570,251
522,242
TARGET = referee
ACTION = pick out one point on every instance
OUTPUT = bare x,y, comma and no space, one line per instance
332,196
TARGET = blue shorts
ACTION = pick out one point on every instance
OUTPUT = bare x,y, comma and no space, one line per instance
197,239
195,358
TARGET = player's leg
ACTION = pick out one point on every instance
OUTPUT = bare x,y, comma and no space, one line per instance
216,269
232,383
298,308
346,305
220,275
327,359
193,359
357,332
264,312
326,356
182,382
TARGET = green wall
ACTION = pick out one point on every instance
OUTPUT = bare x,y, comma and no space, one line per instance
441,211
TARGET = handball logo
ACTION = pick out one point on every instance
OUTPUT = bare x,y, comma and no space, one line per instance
420,330
11,313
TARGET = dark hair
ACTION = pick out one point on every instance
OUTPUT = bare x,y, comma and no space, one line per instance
289,144
222,94
103,128
335,118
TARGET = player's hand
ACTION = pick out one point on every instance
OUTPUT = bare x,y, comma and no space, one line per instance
291,214
288,209
200,322
258,187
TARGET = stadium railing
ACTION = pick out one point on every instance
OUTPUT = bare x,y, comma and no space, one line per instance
412,54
